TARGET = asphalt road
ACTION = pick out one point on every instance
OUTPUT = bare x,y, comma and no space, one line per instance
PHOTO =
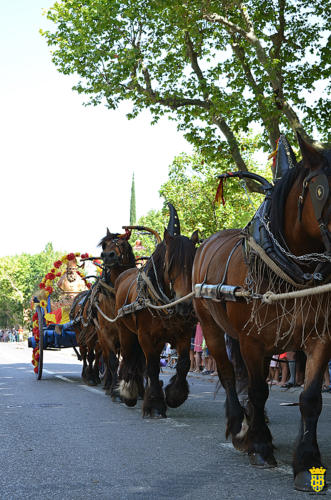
63,440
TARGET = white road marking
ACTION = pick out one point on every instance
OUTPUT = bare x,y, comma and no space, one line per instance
92,389
65,379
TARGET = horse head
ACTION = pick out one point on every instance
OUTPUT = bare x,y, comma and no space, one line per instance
307,215
314,207
116,250
178,263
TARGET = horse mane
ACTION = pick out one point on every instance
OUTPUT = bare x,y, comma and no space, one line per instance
109,236
279,196
182,253
157,258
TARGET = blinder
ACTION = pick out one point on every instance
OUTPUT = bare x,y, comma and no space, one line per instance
319,190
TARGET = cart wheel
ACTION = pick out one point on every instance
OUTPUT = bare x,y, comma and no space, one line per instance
41,342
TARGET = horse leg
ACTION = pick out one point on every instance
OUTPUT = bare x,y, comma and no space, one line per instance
90,359
307,454
83,353
154,402
236,420
177,390
131,368
234,355
95,368
259,439
113,368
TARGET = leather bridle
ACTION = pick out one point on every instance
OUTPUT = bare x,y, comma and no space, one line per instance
318,185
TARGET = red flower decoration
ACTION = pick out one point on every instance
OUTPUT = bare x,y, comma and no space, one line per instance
84,256
42,285
71,256
58,274
50,276
49,289
58,264
36,369
35,316
35,331
88,285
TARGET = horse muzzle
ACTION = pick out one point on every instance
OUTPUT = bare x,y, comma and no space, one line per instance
110,259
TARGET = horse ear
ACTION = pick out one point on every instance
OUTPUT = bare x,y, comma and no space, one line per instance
108,232
167,236
195,237
312,158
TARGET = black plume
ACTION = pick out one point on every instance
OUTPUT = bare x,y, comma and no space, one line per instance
173,225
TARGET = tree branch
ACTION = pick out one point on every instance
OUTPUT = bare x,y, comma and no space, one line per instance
270,123
235,151
274,78
193,56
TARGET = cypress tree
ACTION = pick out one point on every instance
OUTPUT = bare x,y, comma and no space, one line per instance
133,203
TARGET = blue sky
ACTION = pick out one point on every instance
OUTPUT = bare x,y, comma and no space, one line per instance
65,169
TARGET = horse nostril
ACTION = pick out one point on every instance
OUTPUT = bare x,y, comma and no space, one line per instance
112,254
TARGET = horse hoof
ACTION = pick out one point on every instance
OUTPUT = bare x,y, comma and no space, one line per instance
154,414
130,402
257,460
239,444
91,383
302,481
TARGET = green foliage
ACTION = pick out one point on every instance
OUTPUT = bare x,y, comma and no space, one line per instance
192,187
215,67
156,220
19,278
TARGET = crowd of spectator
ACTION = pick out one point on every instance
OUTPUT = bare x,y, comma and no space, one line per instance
11,335
286,370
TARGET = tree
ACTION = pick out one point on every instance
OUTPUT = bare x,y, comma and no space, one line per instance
155,219
133,203
192,186
216,67
19,278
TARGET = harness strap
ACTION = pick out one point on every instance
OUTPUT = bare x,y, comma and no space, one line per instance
270,263
107,287
148,282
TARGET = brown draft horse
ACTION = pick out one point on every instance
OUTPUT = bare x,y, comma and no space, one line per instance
83,326
95,335
168,275
264,329
117,257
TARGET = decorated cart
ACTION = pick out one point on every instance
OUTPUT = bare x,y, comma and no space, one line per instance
52,327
